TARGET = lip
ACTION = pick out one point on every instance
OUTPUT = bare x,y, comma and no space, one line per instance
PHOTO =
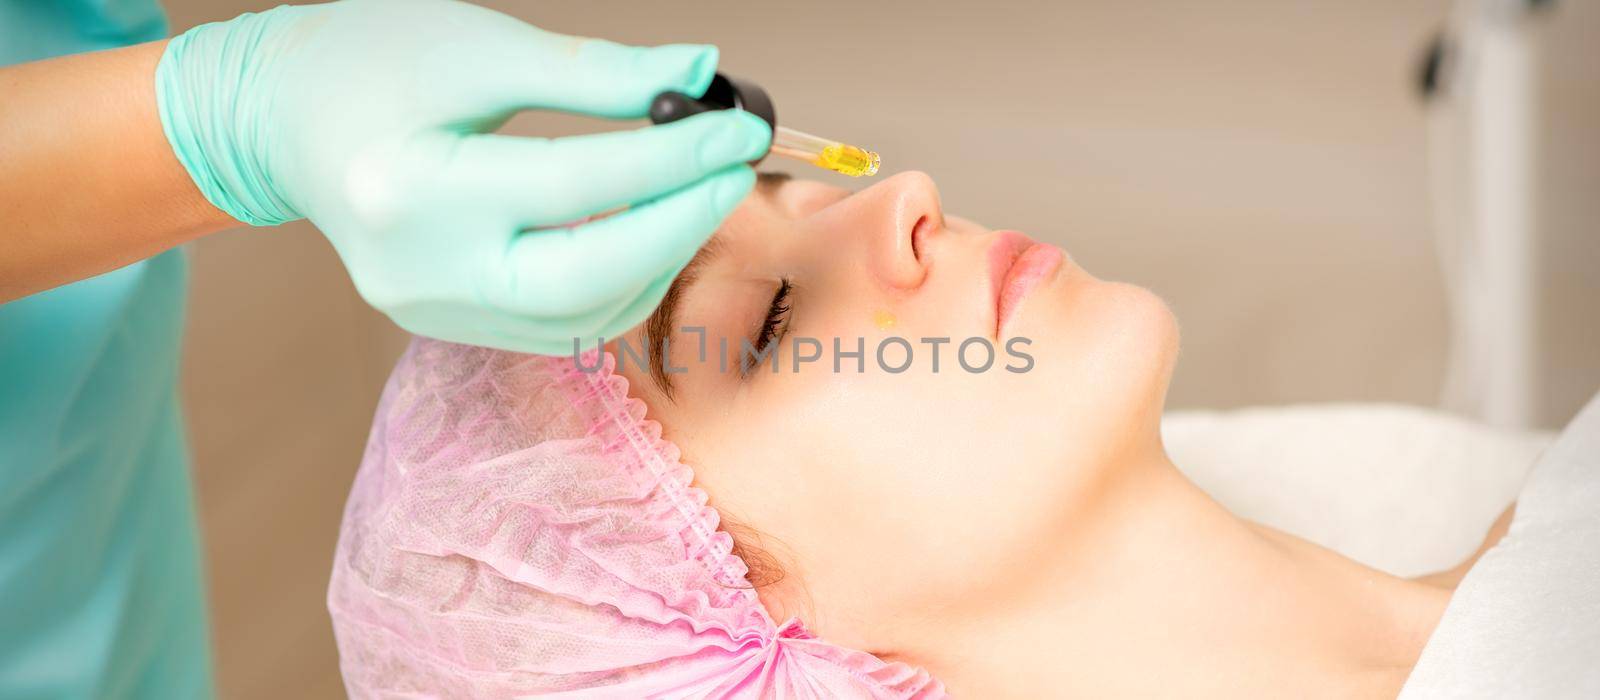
1017,266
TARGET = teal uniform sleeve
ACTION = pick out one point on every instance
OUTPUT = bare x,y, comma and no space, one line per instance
100,576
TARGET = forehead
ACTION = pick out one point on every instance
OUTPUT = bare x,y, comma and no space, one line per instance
756,213
782,195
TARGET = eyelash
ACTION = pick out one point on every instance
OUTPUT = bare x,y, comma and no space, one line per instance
775,326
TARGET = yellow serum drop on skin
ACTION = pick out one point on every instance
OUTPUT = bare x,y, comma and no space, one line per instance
883,319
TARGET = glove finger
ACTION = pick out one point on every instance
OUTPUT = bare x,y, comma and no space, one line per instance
571,336
543,182
565,273
616,322
594,76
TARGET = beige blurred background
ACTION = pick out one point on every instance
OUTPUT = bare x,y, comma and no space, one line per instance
1259,163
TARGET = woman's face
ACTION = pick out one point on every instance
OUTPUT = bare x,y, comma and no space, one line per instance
886,493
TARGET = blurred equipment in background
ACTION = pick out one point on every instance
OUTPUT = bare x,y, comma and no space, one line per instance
1514,118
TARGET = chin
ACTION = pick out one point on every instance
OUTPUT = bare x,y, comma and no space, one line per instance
1151,327
1147,342
1116,344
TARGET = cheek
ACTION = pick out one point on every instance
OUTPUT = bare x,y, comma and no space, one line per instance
920,482
1108,353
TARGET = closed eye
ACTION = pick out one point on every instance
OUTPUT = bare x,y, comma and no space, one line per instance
772,329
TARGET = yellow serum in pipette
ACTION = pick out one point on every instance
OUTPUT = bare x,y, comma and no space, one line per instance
847,159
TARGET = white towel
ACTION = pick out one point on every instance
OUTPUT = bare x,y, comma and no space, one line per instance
1525,622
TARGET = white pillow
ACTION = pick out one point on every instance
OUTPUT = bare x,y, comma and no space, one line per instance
1403,489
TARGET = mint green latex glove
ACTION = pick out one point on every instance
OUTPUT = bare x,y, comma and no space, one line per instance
372,119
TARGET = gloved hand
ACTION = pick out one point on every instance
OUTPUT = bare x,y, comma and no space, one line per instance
372,118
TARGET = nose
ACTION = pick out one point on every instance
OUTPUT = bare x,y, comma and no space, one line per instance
897,218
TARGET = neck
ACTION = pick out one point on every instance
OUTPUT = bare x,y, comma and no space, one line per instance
1162,591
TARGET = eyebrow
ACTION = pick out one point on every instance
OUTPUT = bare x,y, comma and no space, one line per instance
771,180
661,321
